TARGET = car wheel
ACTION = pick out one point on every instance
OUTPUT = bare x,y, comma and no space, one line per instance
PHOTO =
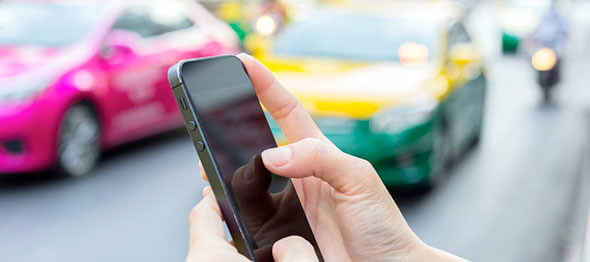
78,141
440,158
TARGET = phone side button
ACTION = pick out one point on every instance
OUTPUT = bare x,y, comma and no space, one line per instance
182,102
192,125
200,146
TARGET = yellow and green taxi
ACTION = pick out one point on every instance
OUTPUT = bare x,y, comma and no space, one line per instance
247,17
402,88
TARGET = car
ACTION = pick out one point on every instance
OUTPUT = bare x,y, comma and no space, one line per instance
252,17
402,87
80,77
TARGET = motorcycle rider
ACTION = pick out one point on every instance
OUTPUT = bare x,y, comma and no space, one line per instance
549,37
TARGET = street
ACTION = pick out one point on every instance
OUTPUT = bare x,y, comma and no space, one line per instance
509,199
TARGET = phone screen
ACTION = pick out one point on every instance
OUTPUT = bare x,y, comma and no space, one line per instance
236,131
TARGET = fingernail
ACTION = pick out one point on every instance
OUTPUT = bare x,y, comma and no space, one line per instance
277,157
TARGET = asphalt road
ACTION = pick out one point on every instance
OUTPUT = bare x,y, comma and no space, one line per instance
510,199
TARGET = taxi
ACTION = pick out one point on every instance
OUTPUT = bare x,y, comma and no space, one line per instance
248,17
400,86
81,77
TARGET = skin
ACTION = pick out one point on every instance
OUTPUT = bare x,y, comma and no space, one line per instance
351,213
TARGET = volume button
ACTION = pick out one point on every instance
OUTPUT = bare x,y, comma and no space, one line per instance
200,146
192,125
182,102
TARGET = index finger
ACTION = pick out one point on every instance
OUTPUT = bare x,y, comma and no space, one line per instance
284,107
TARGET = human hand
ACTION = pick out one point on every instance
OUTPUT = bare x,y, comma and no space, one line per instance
267,216
351,213
207,238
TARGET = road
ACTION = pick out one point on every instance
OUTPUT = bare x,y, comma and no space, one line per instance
511,198
508,200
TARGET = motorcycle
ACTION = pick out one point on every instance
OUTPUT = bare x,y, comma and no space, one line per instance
546,47
546,63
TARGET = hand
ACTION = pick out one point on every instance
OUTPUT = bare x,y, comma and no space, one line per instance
207,238
351,213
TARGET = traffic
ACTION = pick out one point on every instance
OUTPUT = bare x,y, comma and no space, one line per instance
469,111
410,112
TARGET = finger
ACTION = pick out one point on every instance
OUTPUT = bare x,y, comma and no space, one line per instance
202,171
207,234
293,248
250,184
207,190
283,106
312,157
205,221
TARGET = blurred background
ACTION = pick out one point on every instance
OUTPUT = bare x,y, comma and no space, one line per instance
473,112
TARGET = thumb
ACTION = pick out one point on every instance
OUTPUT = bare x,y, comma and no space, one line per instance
293,248
312,157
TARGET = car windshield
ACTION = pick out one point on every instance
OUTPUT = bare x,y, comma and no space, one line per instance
354,37
44,24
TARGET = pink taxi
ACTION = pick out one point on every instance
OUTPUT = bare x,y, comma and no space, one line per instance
80,77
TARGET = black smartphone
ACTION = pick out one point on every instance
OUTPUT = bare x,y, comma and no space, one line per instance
229,130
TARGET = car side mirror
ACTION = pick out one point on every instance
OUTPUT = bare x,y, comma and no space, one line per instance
463,54
118,45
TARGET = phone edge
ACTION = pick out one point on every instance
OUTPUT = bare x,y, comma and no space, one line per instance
236,228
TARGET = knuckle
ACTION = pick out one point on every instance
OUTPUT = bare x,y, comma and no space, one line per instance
313,144
285,109
367,175
313,147
366,168
364,165
318,149
310,141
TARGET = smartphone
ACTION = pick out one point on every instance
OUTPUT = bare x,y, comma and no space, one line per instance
229,130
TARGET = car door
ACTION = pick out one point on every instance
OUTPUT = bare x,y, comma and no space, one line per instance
136,63
175,37
464,107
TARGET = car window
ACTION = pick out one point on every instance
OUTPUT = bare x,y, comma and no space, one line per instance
364,38
46,24
152,22
458,35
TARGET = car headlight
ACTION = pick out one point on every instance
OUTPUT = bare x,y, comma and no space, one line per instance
266,25
19,92
396,120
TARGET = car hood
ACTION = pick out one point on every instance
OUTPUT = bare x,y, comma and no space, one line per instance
358,90
24,64
18,60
